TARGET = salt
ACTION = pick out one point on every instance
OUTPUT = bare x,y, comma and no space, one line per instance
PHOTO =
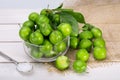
24,67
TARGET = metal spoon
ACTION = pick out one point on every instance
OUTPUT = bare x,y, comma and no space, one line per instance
21,67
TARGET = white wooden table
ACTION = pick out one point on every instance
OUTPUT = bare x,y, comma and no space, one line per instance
11,44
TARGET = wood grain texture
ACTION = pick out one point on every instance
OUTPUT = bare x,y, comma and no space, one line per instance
9,33
15,15
15,48
41,72
103,14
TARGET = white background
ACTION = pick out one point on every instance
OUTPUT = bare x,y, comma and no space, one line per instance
28,4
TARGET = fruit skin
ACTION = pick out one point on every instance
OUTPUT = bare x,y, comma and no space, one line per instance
82,55
87,27
73,34
36,53
56,18
46,47
44,12
96,32
60,47
29,24
50,54
62,62
24,33
55,37
79,66
99,42
45,29
33,16
65,28
36,38
99,53
42,19
85,44
74,42
86,35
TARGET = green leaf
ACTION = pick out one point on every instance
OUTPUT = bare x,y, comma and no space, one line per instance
66,10
60,6
67,18
62,10
77,15
87,26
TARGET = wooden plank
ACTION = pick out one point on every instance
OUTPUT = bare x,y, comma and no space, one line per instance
12,11
15,15
9,33
93,13
14,50
42,72
107,13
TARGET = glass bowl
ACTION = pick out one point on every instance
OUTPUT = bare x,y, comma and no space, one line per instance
42,54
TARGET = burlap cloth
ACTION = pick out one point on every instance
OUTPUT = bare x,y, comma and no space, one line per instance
104,14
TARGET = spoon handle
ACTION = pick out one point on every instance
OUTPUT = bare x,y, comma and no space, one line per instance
7,57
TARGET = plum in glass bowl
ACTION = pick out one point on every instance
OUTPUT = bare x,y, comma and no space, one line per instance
47,52
45,37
